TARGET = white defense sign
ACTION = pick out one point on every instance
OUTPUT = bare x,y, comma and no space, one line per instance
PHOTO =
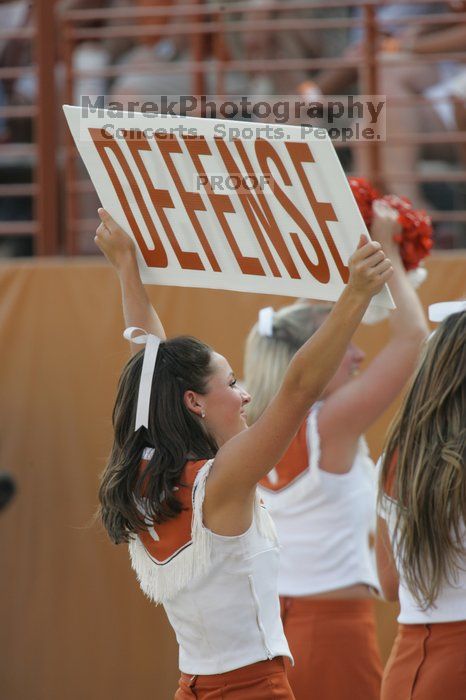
225,204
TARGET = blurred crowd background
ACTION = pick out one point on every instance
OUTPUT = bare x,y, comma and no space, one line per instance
73,621
54,51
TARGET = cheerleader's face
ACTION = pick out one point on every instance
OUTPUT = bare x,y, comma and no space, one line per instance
348,368
225,402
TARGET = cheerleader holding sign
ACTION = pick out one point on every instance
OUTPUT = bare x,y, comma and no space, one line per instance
181,487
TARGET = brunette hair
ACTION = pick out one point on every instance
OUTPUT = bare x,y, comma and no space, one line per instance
175,433
423,468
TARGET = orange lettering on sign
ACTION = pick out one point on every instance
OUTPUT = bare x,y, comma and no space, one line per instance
161,200
222,204
301,153
258,211
192,201
103,143
319,270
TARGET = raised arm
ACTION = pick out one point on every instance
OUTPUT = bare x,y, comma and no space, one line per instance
250,455
350,410
119,250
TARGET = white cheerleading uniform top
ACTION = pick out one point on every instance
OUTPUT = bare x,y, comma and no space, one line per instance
324,521
450,605
220,593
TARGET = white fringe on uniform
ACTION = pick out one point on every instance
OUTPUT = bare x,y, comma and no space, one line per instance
161,582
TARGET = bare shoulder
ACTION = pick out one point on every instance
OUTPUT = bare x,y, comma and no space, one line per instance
226,515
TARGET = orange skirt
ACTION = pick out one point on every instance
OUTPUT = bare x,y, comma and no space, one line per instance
264,680
335,649
428,662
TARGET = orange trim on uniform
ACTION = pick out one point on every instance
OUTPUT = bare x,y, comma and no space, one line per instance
294,462
164,541
335,649
263,680
428,662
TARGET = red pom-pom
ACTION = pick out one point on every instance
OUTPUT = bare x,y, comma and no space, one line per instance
415,238
364,194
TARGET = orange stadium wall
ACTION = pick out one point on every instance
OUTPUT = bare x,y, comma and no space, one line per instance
74,623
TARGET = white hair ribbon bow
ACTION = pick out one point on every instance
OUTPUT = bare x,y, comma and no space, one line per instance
438,312
265,324
152,343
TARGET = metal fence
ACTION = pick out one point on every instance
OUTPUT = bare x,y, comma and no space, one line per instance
58,185
36,160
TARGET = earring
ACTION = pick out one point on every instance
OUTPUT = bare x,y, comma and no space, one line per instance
202,414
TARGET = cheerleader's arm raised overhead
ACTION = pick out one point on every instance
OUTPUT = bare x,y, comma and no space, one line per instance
120,251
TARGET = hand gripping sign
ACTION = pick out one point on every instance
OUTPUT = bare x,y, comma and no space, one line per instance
224,204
